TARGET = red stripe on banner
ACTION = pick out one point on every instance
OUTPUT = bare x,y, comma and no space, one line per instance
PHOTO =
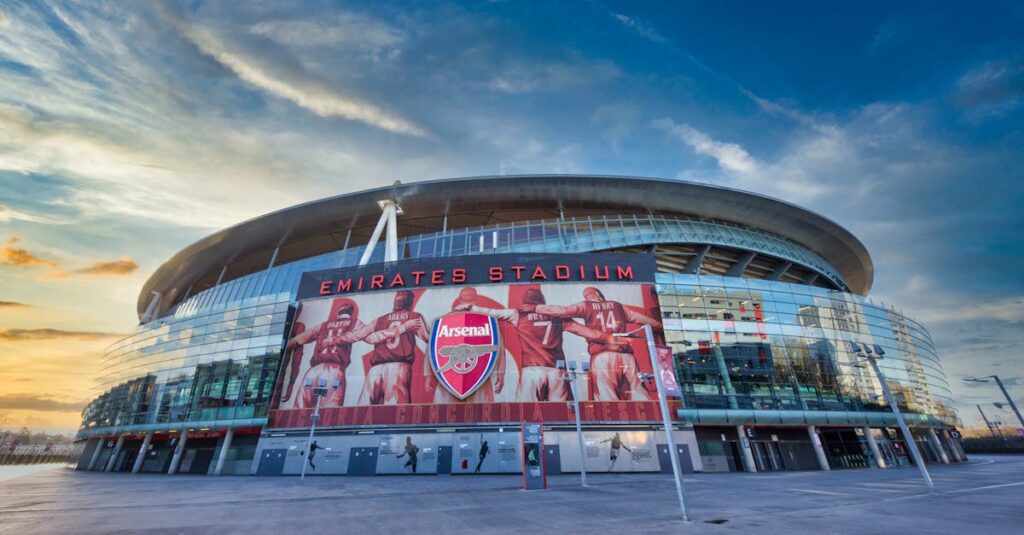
472,413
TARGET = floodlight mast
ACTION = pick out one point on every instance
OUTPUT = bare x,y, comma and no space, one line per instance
865,351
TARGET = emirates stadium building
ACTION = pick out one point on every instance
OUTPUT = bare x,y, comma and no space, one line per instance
417,328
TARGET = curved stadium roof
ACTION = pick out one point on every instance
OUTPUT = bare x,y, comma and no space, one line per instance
479,201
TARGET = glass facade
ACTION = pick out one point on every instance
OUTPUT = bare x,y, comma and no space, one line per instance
214,356
764,345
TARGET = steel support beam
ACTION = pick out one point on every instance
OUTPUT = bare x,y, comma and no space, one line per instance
114,454
779,271
740,266
693,266
179,452
223,457
819,450
873,446
141,457
746,454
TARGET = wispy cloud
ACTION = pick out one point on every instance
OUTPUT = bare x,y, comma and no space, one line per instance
123,266
992,88
34,402
8,214
730,156
348,30
640,27
22,258
28,335
13,304
526,77
301,88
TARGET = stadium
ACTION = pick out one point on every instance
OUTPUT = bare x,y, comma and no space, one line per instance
419,326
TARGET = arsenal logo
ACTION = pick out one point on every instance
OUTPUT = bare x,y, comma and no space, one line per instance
463,349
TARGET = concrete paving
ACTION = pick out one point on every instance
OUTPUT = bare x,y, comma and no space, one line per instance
985,495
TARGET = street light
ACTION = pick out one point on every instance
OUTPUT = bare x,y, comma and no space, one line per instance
864,351
570,377
993,427
320,390
1005,393
665,417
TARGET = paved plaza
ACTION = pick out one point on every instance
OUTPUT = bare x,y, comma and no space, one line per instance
985,495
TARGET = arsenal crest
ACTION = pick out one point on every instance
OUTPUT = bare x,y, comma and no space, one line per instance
463,349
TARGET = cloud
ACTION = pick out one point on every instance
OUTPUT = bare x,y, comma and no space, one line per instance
1008,309
992,88
295,85
34,402
124,266
22,258
8,214
640,27
27,335
348,30
730,156
13,304
526,77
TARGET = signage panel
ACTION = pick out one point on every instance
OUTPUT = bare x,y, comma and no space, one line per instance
471,352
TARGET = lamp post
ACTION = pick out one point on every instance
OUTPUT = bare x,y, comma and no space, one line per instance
865,351
570,377
665,417
994,429
1005,394
320,390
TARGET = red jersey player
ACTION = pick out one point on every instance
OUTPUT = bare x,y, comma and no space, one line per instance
613,367
294,362
332,353
393,335
540,337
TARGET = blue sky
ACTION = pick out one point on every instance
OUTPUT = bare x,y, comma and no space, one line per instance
131,129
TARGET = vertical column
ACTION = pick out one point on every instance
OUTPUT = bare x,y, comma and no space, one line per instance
141,457
938,445
96,454
748,456
391,242
819,450
953,447
178,452
224,451
114,454
723,372
873,446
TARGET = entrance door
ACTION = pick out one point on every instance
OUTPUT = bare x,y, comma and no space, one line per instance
127,461
444,459
735,461
760,456
682,454
552,459
774,455
201,461
272,462
363,461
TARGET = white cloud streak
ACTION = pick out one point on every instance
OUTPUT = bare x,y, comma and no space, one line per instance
349,30
303,90
730,156
640,27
